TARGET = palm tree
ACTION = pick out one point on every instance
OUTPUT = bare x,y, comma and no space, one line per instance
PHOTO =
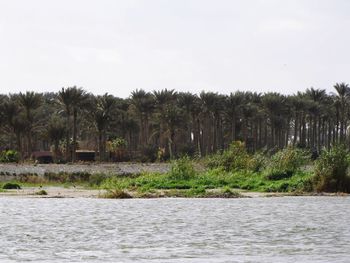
298,104
233,109
164,100
14,119
342,99
317,97
143,104
190,104
103,113
56,131
173,121
208,103
73,99
273,104
30,101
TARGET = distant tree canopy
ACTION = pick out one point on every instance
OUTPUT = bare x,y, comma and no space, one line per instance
173,123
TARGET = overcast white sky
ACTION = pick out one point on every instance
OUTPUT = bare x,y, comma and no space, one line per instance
117,46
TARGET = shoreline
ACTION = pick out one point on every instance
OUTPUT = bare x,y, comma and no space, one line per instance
80,192
120,169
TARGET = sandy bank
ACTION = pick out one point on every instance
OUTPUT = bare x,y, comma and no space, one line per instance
53,192
10,169
78,192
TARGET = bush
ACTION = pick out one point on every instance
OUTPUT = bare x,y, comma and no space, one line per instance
41,192
97,179
233,159
11,186
196,192
116,194
9,156
227,192
257,163
285,163
331,170
182,169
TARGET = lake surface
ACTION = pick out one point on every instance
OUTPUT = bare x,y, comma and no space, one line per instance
286,229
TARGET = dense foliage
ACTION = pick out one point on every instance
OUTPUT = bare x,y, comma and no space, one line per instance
286,163
167,124
331,170
9,156
289,170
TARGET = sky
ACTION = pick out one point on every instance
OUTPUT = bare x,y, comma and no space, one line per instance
117,46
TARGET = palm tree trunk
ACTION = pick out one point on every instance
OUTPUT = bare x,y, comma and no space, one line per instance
19,145
233,129
56,145
296,128
75,116
100,146
29,140
68,138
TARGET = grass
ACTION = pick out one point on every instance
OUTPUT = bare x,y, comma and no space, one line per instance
201,184
227,171
183,181
214,182
116,194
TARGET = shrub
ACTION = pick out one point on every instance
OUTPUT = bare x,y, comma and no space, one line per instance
97,179
116,194
41,192
196,192
182,169
331,170
227,192
234,158
9,156
11,186
32,179
285,163
257,163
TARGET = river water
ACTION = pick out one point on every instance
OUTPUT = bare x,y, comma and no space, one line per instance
284,229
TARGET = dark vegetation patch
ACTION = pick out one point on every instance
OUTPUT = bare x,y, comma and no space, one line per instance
9,186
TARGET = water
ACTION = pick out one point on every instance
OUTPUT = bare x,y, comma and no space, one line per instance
287,229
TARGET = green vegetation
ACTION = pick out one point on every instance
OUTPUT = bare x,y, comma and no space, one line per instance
234,158
182,169
285,171
331,170
165,125
9,156
116,194
41,192
285,163
11,185
227,174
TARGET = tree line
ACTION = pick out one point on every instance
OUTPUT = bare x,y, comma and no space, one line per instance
166,124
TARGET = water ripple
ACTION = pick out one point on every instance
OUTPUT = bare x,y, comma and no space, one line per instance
288,229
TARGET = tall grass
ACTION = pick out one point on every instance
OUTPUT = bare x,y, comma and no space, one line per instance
331,170
235,158
286,163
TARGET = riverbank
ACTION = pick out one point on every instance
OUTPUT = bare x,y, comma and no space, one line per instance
11,170
215,177
80,192
137,180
